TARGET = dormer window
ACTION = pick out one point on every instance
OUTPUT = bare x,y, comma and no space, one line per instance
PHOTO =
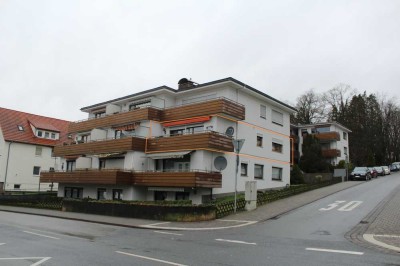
20,128
40,134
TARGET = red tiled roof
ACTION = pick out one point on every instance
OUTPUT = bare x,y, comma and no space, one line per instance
11,119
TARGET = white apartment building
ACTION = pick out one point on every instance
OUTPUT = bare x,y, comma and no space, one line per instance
26,145
333,137
167,144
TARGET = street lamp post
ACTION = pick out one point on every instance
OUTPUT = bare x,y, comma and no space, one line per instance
237,144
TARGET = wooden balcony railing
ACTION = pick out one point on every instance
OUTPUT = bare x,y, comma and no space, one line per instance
149,113
101,146
178,179
90,176
331,153
206,140
327,136
219,106
190,179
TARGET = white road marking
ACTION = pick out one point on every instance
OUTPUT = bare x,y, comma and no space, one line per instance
238,221
40,262
332,205
370,238
235,241
336,251
152,259
389,236
167,233
350,206
42,259
150,225
52,237
2,244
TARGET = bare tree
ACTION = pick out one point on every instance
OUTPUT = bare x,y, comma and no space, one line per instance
310,108
337,101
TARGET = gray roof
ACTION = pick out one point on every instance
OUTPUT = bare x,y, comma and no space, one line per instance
195,87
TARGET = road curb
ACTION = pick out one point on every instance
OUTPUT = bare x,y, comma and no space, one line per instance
358,233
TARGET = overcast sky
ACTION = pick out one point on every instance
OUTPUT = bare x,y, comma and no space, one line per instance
59,56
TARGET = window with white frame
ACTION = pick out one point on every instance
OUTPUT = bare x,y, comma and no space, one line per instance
263,111
36,170
277,118
277,147
276,173
38,151
243,169
345,150
259,140
344,135
258,171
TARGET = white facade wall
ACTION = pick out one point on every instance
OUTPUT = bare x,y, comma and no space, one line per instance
21,161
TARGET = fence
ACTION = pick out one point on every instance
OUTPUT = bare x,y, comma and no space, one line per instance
225,208
41,201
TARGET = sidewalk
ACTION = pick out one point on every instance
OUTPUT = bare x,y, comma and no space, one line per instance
262,213
382,227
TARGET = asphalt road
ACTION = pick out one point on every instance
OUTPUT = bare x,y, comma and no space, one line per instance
310,235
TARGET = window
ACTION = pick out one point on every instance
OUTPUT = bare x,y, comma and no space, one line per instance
36,170
140,104
102,164
38,151
117,194
182,196
73,192
243,169
160,195
258,171
259,141
53,135
344,135
20,128
277,147
276,173
101,193
345,151
195,129
277,118
118,134
263,111
17,186
71,165
40,133
46,135
174,132
99,114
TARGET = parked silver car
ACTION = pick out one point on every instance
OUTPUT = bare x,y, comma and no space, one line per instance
386,170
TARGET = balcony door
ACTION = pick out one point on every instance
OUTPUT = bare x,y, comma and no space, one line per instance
71,166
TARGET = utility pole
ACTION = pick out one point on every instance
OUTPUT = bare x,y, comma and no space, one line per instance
237,144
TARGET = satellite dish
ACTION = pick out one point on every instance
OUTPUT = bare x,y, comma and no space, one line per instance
230,131
220,163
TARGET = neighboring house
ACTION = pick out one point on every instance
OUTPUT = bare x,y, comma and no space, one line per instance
167,144
26,145
333,137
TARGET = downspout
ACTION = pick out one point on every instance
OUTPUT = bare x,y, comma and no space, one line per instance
8,158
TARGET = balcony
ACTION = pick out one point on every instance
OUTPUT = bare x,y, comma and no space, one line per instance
331,153
327,136
90,176
219,106
197,141
149,113
190,179
101,146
